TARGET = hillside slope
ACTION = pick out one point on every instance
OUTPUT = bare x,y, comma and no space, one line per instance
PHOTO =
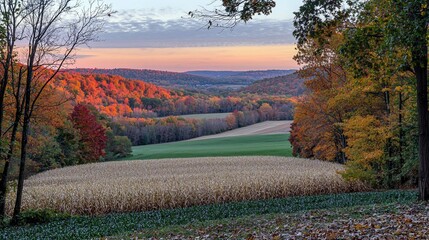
290,85
112,95
161,78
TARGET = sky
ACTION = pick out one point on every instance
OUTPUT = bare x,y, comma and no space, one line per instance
149,34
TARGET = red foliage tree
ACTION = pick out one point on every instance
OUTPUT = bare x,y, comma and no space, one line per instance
93,134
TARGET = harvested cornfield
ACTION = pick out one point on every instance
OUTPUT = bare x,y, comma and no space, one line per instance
158,184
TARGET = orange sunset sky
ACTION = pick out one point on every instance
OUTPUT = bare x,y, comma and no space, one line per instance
159,35
185,59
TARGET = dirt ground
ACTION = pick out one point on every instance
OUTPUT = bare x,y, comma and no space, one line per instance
264,128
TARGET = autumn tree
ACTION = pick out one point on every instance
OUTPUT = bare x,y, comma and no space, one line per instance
367,139
11,17
378,52
51,30
93,137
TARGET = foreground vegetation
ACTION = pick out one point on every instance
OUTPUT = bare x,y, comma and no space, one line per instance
169,221
129,186
377,221
261,145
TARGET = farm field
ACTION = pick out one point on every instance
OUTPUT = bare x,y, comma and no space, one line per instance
256,145
130,186
263,128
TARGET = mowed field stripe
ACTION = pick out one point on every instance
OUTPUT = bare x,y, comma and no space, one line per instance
264,128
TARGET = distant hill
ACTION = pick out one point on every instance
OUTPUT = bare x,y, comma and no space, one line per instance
190,80
290,85
160,78
242,77
214,74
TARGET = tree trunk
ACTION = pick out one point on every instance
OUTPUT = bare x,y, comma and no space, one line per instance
421,67
24,140
4,175
401,139
4,179
2,95
343,159
389,144
3,86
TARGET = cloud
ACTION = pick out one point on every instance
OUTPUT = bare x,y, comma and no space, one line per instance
166,29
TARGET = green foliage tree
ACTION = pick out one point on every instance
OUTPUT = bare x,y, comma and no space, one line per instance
117,146
68,139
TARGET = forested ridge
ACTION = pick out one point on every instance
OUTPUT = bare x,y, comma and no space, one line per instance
289,85
241,77
188,80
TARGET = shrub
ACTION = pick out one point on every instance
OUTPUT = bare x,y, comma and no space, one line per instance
39,216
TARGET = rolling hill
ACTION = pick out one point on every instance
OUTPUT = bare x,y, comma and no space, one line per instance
160,78
190,80
290,85
241,77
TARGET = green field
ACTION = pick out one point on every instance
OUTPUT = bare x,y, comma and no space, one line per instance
257,145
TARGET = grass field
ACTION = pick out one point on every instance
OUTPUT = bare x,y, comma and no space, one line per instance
161,224
128,186
258,145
